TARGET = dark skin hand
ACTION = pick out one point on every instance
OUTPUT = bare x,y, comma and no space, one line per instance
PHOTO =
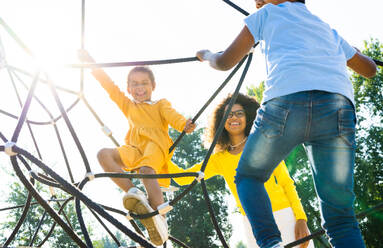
301,231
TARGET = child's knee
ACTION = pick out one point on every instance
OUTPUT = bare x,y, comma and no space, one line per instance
103,154
147,170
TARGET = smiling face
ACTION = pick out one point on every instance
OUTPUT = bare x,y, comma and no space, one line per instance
140,86
236,122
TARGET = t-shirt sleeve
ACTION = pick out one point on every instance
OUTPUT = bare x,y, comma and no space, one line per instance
347,49
255,23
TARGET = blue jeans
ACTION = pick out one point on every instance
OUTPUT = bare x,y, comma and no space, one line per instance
325,123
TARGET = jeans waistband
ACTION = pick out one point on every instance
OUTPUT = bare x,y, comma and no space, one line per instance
314,96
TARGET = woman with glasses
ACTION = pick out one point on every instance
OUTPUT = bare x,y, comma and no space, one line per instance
287,208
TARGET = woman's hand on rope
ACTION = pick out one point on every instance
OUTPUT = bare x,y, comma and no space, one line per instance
189,126
301,231
84,56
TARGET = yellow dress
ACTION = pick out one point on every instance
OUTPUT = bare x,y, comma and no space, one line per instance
280,187
147,142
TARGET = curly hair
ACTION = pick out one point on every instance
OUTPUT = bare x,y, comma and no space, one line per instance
249,104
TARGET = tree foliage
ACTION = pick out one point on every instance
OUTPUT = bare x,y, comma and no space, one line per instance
59,238
369,156
189,221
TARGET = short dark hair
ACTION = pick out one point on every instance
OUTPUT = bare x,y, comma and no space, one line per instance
248,103
301,1
144,69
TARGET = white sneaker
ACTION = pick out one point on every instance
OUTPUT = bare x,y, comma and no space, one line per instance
135,200
133,196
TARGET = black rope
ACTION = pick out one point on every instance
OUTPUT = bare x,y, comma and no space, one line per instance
152,176
236,7
32,204
377,62
135,63
208,102
21,105
99,120
15,69
54,223
221,125
76,193
82,41
69,125
106,228
25,109
135,226
321,231
43,203
16,38
84,230
21,220
41,122
38,228
178,242
217,135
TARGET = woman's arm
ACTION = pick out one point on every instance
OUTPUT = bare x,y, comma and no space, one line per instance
232,55
173,168
210,171
284,179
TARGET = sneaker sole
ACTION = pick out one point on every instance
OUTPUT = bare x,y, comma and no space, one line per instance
130,203
135,205
150,225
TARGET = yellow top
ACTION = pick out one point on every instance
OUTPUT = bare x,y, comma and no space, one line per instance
280,186
146,120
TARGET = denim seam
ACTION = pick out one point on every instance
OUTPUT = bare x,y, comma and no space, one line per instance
341,129
309,120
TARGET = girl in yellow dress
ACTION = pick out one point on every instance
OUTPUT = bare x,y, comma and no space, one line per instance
147,143
287,208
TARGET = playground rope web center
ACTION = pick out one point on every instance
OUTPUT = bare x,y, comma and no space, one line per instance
22,160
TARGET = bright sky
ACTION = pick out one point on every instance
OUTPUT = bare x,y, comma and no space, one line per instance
120,30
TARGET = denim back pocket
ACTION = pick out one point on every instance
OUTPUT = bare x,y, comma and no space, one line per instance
271,120
346,125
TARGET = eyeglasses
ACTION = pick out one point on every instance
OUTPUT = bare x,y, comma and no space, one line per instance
239,113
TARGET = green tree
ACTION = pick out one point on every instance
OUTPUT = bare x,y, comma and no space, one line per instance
189,221
17,196
369,156
107,242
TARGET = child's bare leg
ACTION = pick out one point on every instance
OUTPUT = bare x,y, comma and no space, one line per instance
153,189
111,162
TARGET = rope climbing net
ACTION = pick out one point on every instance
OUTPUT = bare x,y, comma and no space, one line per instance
30,168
